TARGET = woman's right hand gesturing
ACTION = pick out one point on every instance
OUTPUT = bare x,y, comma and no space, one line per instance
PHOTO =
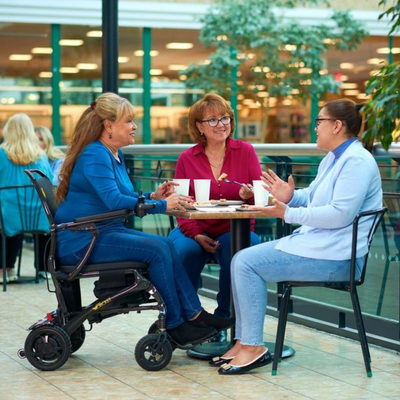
281,190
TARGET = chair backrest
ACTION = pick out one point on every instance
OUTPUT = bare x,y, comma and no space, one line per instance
20,210
392,202
376,217
46,191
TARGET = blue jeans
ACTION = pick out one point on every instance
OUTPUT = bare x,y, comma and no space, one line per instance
194,257
165,268
254,266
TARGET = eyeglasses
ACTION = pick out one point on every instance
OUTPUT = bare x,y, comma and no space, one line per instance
319,120
213,122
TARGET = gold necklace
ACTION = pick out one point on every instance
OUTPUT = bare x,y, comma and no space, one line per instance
216,166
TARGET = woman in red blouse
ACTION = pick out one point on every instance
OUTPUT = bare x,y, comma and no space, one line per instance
211,124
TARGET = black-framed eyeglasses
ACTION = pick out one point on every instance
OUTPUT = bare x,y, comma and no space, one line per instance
213,122
319,120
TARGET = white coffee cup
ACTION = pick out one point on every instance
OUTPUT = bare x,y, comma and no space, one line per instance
260,194
202,189
183,188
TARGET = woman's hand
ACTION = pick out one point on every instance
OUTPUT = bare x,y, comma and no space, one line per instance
281,190
164,190
277,210
246,191
175,201
208,244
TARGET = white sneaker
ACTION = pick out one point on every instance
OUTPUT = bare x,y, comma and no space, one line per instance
45,274
12,276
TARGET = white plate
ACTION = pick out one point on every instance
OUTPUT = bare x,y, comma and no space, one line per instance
211,209
211,205
230,203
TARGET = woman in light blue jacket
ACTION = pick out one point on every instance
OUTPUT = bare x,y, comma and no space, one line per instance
348,182
19,151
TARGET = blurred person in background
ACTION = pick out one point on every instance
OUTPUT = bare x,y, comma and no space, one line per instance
54,155
19,151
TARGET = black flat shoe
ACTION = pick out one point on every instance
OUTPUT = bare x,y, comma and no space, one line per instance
207,320
186,334
229,369
218,361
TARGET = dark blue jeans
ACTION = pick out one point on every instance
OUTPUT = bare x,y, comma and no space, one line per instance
166,270
194,257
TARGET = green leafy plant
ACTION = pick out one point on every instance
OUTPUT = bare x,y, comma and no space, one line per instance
383,109
272,55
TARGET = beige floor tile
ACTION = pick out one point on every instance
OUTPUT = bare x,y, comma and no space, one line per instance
324,366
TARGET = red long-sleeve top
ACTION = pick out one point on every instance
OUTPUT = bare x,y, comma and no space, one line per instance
241,164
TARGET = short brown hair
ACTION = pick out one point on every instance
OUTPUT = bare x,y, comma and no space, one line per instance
210,101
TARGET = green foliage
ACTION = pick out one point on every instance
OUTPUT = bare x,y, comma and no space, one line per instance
273,54
383,109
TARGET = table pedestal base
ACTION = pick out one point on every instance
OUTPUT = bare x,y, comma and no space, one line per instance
207,351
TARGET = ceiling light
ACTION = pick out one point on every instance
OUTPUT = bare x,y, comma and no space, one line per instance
182,77
386,50
140,53
69,70
177,67
127,76
123,60
349,86
323,71
42,50
94,34
20,57
351,92
262,94
305,70
287,102
87,66
45,74
375,61
179,46
155,71
344,78
71,42
346,65
363,96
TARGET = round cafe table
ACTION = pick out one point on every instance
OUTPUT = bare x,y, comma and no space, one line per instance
240,239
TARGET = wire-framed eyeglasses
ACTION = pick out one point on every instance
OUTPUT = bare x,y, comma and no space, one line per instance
213,122
319,120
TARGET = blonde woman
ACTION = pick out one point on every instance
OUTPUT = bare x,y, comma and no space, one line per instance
18,152
55,155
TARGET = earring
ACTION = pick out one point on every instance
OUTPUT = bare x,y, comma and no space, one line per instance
201,133
110,135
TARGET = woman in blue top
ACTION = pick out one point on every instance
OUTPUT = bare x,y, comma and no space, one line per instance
348,182
19,151
94,180
54,154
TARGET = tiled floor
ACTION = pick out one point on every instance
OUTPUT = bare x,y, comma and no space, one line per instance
324,366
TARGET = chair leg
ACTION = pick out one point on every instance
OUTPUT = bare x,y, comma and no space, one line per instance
280,333
4,261
361,331
19,261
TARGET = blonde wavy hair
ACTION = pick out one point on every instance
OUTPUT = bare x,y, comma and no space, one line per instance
20,142
108,106
52,152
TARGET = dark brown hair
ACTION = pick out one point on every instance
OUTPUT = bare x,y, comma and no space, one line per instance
212,102
348,112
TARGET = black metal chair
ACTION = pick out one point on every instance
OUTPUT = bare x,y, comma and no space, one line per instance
349,286
122,287
24,199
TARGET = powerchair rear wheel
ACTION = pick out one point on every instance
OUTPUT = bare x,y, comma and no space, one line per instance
153,352
48,347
